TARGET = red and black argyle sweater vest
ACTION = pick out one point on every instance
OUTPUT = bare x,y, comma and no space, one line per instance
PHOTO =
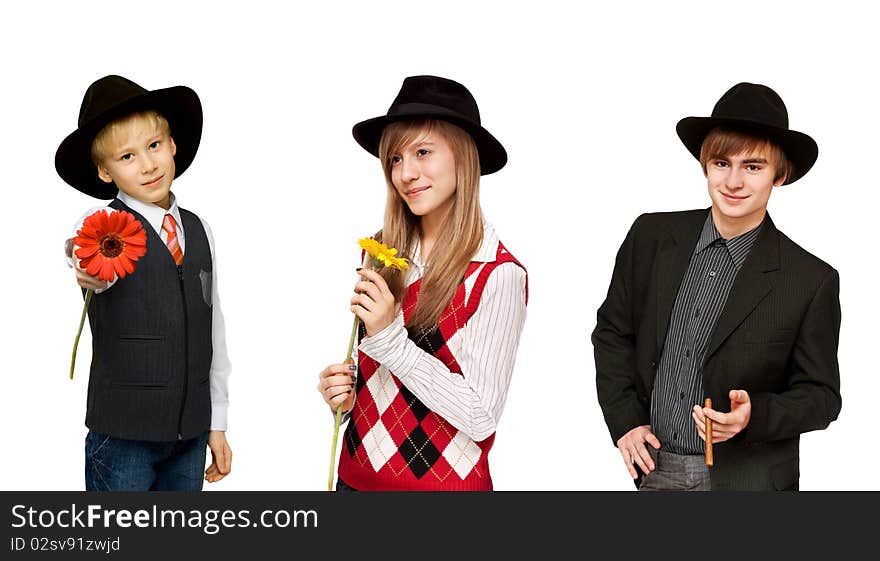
399,444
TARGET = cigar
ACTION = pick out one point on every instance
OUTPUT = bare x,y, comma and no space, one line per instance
709,460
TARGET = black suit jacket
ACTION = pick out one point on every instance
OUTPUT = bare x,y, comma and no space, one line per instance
776,338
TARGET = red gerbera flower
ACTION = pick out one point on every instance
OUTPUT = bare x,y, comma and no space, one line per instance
109,244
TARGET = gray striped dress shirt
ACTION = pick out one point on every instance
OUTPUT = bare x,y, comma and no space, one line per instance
701,297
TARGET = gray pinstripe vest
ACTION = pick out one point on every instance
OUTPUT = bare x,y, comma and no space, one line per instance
151,343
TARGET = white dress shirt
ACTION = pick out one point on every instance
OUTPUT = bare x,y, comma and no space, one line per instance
485,349
220,365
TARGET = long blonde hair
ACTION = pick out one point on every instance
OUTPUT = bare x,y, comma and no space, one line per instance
461,233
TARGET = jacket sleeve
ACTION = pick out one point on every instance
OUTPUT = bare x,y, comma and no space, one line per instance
812,399
614,348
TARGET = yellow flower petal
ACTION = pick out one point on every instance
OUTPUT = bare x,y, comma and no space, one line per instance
382,254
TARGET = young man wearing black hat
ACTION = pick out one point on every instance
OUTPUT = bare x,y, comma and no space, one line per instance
720,304
158,380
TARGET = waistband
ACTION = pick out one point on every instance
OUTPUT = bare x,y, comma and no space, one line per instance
668,461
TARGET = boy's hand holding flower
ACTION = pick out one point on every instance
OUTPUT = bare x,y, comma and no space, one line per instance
373,302
107,247
84,279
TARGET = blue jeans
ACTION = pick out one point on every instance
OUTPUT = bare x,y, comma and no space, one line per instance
116,464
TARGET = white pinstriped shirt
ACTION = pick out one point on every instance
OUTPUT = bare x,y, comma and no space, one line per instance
485,349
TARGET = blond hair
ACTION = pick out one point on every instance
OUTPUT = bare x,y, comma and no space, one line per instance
462,231
107,138
724,143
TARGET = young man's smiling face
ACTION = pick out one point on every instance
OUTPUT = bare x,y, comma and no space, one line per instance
138,156
740,185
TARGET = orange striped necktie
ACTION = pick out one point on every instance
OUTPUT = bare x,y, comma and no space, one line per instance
172,242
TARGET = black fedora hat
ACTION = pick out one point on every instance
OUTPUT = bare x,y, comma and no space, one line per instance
432,97
758,110
113,97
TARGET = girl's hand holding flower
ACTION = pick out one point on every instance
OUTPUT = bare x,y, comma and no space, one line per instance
373,302
373,305
336,384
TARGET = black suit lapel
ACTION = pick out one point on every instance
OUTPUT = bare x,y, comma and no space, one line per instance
752,285
672,262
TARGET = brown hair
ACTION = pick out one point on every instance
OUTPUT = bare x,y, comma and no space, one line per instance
723,143
461,233
107,137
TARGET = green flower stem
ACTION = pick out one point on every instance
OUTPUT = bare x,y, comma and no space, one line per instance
348,359
82,320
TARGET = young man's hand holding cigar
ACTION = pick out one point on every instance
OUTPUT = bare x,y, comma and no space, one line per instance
725,425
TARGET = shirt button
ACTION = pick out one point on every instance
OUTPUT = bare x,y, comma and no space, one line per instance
711,273
675,436
687,353
681,395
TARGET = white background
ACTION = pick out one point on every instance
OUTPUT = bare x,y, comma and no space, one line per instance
585,99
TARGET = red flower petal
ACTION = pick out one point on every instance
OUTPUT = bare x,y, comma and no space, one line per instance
88,231
118,268
85,242
116,223
126,264
86,251
107,271
130,228
135,252
138,238
94,265
113,222
96,221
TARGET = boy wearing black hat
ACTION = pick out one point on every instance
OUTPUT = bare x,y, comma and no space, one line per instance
720,304
158,380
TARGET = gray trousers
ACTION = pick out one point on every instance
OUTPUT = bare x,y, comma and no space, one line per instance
675,472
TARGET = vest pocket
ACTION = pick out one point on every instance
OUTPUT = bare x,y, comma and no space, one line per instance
139,338
142,362
138,386
206,280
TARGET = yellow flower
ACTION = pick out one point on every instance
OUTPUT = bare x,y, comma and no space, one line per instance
382,254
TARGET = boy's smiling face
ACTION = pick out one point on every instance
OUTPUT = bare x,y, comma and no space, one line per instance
139,157
740,185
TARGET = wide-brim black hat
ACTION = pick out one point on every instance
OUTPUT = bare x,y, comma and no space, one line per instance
432,97
754,109
113,97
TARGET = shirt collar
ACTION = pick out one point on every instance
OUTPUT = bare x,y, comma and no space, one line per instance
154,214
738,248
489,246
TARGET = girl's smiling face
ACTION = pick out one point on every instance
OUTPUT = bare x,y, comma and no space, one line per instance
423,173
